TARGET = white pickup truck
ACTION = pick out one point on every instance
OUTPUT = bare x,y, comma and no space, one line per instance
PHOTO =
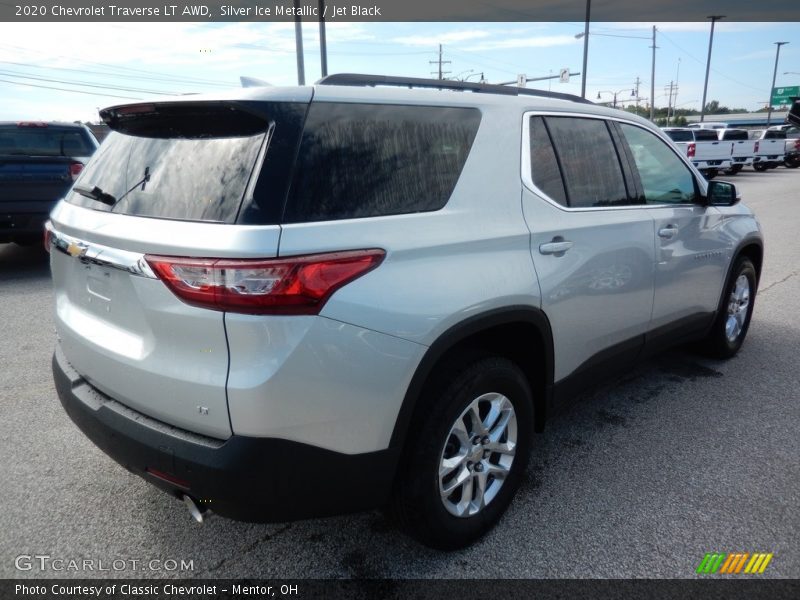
770,148
703,148
744,149
791,157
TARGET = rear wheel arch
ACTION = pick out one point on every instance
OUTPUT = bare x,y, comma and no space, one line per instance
521,334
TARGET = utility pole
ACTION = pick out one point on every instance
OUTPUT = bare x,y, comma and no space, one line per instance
298,41
669,102
653,79
323,43
774,74
637,95
714,19
586,47
440,62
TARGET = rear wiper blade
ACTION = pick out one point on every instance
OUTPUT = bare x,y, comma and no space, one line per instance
95,193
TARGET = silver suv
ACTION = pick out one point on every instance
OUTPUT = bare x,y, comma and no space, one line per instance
283,303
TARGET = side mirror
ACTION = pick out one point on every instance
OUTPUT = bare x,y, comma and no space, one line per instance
722,193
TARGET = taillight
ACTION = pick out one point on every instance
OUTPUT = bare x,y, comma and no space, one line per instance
47,235
75,169
298,285
755,149
690,151
797,144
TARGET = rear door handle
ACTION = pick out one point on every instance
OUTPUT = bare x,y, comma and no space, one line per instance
557,248
668,232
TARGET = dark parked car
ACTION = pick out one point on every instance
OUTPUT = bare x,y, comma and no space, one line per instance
38,163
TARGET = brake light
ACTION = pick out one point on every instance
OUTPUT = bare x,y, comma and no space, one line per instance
797,144
755,149
690,151
75,170
299,285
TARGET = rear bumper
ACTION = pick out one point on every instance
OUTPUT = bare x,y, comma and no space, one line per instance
712,164
245,478
15,225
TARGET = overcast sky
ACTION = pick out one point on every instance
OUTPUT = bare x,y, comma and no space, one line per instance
111,63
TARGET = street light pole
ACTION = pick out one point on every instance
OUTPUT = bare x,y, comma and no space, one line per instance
586,47
653,78
714,19
774,74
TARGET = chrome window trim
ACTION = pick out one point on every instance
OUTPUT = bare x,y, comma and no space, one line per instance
97,254
525,166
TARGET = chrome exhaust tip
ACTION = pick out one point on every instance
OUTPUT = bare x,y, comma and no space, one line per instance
196,513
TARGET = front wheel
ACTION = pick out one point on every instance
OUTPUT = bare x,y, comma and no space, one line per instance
467,456
733,318
792,163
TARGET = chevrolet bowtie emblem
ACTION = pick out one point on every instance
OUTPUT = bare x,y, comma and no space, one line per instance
76,250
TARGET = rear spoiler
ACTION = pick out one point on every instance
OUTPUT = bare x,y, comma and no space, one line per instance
794,113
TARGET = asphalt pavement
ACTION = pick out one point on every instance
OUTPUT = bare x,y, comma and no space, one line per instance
640,478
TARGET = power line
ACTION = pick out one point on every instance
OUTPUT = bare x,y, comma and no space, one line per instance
100,73
85,84
700,62
50,87
120,68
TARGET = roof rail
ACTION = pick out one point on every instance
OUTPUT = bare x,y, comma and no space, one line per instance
359,80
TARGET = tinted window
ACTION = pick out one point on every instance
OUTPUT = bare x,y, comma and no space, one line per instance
665,178
706,135
45,141
189,160
734,135
544,167
680,136
775,135
189,179
589,162
363,160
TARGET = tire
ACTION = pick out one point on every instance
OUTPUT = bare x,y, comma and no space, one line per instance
733,317
759,167
448,439
710,174
792,163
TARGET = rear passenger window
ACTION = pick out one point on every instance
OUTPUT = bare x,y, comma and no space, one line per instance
544,166
588,160
365,160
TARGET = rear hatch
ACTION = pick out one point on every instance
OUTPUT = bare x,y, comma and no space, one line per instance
169,181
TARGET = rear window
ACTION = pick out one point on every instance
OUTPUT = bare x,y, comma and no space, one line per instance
680,136
734,135
194,166
775,135
366,160
706,135
44,141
